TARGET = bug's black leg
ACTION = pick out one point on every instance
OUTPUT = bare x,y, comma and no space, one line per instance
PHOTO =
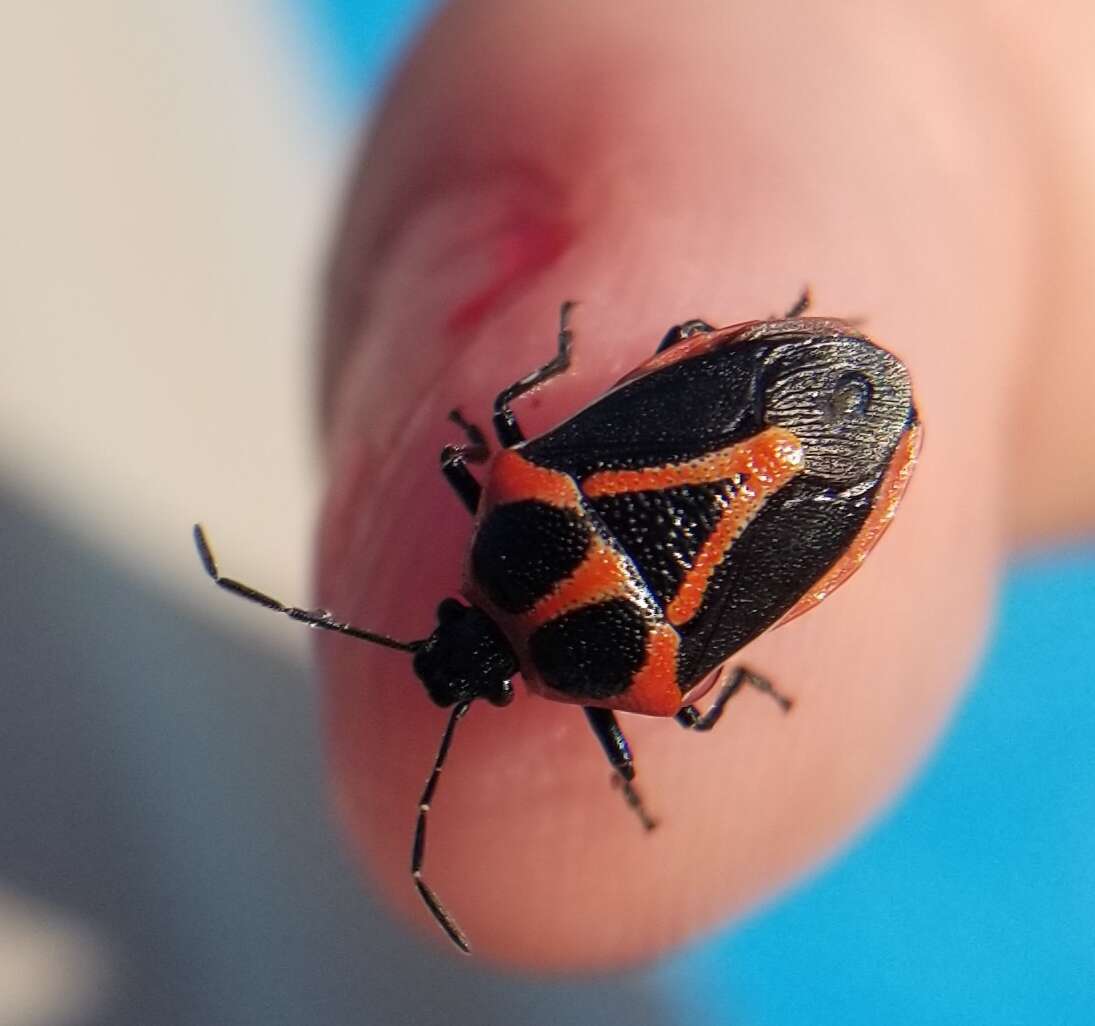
692,718
455,458
505,422
455,468
607,730
679,332
477,448
418,852
312,617
801,305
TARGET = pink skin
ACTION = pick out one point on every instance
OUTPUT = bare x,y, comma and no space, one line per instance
660,164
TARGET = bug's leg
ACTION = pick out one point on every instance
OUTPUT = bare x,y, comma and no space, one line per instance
455,460
505,422
607,730
692,718
312,617
801,305
455,468
418,851
477,448
679,332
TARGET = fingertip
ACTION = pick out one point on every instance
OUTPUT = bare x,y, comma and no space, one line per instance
540,863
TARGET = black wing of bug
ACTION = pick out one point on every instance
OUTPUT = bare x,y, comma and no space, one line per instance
849,403
674,414
678,412
845,399
798,534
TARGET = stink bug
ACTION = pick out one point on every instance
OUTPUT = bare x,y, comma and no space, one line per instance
724,486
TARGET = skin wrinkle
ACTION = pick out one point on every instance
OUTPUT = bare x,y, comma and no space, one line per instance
937,254
500,238
399,171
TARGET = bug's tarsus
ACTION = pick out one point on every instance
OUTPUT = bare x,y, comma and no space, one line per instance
505,421
477,448
693,719
679,332
765,686
319,618
607,730
418,851
634,801
801,305
455,458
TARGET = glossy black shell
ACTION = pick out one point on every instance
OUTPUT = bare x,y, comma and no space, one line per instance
846,399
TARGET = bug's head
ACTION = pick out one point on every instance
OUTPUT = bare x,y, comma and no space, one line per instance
466,657
847,401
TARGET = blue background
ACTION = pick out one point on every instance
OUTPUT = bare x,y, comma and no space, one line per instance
974,900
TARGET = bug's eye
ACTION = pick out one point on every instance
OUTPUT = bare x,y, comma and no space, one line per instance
851,396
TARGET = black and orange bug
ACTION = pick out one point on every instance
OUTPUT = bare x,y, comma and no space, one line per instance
724,486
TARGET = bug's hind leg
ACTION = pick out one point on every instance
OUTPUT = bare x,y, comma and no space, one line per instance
608,733
693,719
800,306
455,458
679,332
505,421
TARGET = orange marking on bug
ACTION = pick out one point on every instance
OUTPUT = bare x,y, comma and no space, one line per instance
602,575
768,451
765,463
890,493
513,478
654,690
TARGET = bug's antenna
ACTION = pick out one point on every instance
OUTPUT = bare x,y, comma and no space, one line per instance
312,617
433,903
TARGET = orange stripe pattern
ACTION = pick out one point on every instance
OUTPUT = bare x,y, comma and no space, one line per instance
772,457
752,470
602,575
513,477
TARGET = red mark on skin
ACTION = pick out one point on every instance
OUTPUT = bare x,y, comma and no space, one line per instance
517,252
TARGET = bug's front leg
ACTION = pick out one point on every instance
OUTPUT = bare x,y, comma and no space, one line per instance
455,460
505,420
477,448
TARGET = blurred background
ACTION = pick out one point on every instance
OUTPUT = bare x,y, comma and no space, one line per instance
170,180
